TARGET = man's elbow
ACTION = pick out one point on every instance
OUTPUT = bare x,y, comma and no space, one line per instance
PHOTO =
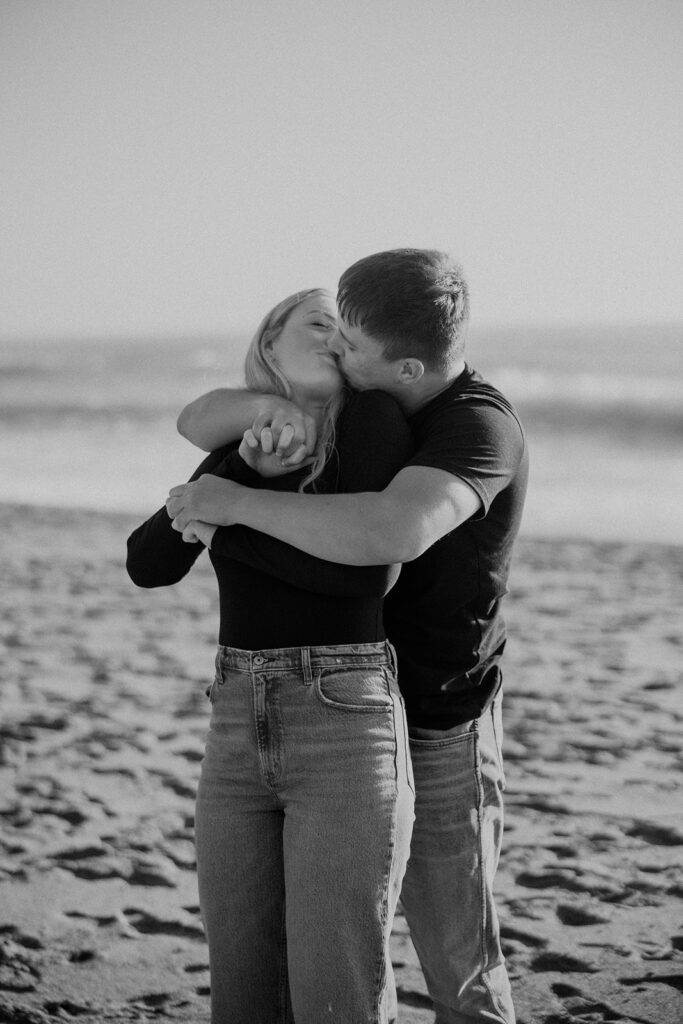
401,549
391,542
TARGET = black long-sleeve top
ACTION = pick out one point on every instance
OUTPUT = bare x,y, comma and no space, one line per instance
271,594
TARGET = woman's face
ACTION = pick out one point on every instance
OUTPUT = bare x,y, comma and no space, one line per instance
301,351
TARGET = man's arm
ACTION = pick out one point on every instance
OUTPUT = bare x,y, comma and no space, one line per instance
373,443
222,416
419,506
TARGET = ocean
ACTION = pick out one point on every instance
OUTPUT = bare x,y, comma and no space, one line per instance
90,423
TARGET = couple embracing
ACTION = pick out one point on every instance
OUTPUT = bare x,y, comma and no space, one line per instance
359,502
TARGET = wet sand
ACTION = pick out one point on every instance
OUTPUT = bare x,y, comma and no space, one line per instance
102,721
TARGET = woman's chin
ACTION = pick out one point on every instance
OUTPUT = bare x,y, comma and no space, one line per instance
321,389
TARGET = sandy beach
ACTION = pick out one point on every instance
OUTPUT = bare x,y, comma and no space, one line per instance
102,723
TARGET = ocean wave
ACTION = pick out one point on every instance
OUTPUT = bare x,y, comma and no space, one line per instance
631,422
541,386
566,381
59,412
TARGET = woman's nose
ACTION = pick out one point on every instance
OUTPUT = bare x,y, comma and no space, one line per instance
334,344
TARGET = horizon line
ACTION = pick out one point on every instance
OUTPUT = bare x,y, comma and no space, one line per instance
212,336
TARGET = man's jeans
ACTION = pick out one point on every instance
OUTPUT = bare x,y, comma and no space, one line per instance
304,814
447,891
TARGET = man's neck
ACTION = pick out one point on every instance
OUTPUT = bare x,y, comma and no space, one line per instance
415,396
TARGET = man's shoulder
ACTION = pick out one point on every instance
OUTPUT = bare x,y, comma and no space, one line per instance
471,388
469,399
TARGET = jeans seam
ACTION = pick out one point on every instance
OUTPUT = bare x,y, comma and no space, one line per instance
406,748
259,698
480,852
482,881
495,998
388,864
498,741
284,981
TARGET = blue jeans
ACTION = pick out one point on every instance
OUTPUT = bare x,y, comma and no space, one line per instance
304,815
448,887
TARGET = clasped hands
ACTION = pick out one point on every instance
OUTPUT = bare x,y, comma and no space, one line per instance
278,442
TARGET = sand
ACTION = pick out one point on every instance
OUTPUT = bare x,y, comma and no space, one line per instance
102,720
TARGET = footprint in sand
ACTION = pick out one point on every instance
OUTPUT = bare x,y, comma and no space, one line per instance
579,1006
65,1008
154,870
657,835
17,971
576,915
82,956
564,963
674,980
146,923
178,785
508,931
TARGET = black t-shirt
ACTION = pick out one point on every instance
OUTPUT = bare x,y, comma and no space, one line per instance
444,616
272,594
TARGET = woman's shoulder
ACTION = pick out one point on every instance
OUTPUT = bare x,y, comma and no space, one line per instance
370,404
373,442
372,421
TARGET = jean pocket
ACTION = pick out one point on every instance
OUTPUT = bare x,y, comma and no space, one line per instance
433,738
212,690
355,689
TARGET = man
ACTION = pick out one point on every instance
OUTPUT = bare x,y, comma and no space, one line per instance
451,515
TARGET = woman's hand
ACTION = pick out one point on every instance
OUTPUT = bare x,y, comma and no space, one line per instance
198,531
265,463
283,427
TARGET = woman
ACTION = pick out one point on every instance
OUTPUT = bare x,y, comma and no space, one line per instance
305,802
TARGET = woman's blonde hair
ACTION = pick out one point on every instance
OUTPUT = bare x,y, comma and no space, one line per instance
261,373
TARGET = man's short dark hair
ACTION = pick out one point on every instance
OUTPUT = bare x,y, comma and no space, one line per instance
414,301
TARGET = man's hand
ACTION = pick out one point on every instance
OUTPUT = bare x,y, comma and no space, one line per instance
209,499
282,427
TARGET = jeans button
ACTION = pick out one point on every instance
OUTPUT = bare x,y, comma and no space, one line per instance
258,660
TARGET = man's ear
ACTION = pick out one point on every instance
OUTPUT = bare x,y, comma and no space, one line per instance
410,371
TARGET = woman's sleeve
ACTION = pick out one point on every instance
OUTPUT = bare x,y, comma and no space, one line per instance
284,562
373,443
157,554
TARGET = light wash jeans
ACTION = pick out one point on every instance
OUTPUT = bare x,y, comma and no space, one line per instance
447,892
304,815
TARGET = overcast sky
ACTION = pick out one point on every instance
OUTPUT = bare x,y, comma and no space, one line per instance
176,166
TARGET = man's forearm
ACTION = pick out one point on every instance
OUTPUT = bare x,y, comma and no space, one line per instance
218,417
276,424
385,527
353,529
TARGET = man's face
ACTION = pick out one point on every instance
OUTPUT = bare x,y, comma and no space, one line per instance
361,359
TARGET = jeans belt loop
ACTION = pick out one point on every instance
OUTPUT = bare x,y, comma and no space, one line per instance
306,665
393,661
